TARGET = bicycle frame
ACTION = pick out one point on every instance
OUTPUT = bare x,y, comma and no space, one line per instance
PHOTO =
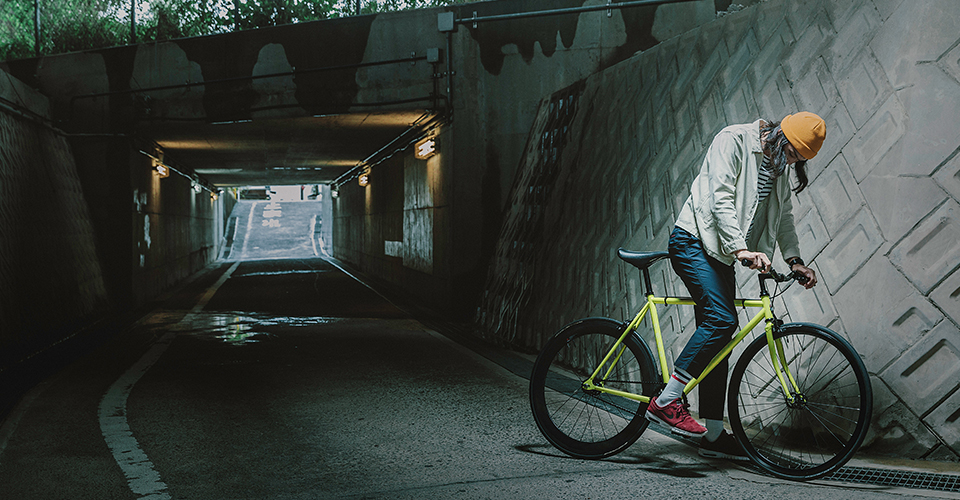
777,357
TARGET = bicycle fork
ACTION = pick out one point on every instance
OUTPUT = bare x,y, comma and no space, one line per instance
778,358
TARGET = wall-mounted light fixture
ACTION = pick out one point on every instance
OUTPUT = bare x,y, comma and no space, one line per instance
162,170
364,179
156,161
335,192
425,148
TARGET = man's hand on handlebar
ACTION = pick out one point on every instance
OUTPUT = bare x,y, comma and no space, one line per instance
811,276
759,261
754,260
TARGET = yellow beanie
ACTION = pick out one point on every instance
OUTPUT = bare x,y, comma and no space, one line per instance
805,131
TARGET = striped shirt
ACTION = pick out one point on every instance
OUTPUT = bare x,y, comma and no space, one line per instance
765,178
765,181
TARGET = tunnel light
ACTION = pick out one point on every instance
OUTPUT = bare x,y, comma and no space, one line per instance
364,179
425,148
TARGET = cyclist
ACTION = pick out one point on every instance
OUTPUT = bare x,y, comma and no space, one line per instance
739,209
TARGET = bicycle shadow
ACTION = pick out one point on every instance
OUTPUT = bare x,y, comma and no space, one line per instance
654,462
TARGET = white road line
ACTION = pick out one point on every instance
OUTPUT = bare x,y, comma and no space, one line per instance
313,241
142,478
246,237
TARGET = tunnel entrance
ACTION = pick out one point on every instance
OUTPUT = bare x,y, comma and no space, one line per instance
275,222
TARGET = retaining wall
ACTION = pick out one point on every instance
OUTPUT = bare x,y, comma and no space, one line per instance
609,162
88,230
51,282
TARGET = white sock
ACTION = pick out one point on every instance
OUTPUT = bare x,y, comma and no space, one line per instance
673,391
714,429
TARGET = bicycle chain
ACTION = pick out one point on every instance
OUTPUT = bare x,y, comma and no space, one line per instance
654,384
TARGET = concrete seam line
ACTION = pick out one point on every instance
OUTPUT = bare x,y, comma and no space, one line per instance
476,356
364,283
9,427
141,476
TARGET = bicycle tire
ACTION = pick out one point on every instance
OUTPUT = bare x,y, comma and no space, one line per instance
822,429
590,424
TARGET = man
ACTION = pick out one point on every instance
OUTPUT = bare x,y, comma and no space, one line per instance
739,209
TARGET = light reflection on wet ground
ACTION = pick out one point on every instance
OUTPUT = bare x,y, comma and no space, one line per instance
285,272
239,328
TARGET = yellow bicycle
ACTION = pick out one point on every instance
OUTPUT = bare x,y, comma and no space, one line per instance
799,399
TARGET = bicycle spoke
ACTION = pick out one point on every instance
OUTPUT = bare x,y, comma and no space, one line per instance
826,426
590,423
808,433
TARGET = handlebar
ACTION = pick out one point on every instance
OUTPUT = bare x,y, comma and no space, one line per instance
779,278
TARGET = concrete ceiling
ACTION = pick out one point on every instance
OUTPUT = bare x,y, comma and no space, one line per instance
278,151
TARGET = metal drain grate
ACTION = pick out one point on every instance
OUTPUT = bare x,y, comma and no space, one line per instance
905,479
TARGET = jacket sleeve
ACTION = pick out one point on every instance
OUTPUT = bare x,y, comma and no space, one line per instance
787,233
723,164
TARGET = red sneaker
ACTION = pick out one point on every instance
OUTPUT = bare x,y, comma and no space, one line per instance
676,416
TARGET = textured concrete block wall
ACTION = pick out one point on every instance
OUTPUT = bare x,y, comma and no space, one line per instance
395,227
609,162
176,231
50,278
87,228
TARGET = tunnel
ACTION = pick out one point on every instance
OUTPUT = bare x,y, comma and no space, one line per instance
479,165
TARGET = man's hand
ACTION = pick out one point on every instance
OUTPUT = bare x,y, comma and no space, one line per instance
809,273
758,260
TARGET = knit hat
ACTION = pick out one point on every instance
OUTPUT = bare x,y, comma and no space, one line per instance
805,131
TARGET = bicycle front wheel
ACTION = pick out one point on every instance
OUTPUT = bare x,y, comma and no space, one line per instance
588,423
813,431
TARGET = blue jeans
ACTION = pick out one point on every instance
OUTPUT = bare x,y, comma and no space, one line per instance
713,286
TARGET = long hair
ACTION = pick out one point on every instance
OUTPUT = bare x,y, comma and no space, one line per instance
774,144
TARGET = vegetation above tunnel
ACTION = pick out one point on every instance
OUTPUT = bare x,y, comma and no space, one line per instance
31,28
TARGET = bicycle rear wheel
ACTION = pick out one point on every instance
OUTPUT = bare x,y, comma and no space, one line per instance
825,423
587,423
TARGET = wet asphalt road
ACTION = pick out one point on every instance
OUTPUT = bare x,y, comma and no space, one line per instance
295,381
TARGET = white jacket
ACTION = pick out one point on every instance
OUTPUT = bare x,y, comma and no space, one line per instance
723,199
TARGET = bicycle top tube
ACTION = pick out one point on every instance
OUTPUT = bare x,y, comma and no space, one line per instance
688,301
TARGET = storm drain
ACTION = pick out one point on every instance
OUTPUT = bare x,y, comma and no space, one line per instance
904,479
862,475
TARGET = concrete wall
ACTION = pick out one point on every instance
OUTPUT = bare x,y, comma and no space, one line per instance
879,222
176,231
89,229
51,283
502,71
398,229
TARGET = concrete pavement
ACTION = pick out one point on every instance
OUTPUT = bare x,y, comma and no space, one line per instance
293,380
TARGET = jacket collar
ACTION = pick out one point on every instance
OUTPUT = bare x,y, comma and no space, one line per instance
753,138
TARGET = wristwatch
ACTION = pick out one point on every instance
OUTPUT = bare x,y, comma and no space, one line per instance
794,261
